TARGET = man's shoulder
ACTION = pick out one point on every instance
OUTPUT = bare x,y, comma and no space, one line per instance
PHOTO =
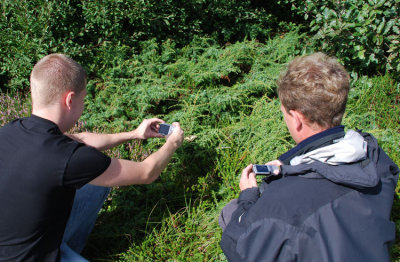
10,125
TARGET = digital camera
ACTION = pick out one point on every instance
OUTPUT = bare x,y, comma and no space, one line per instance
165,129
265,169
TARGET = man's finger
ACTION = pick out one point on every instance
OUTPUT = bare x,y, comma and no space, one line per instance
274,163
252,179
156,120
246,171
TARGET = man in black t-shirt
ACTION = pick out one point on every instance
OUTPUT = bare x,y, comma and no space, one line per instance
41,166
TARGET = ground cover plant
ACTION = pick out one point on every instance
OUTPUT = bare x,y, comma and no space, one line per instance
226,102
235,123
213,71
205,87
365,35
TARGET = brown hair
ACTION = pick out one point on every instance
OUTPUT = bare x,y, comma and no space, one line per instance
54,75
317,86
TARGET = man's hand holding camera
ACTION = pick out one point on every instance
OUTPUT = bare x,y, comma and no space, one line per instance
248,177
148,129
176,136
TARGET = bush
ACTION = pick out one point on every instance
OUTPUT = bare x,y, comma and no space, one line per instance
197,85
88,30
365,35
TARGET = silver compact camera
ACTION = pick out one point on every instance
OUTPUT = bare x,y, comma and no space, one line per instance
265,170
165,129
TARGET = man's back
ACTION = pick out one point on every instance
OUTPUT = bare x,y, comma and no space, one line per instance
307,217
36,189
33,155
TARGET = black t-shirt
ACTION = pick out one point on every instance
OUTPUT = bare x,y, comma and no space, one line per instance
40,170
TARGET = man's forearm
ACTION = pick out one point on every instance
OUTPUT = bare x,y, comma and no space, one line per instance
248,197
160,159
125,172
103,141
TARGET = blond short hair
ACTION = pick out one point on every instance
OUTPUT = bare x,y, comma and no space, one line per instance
317,86
54,75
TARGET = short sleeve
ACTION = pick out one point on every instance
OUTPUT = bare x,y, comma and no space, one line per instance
85,164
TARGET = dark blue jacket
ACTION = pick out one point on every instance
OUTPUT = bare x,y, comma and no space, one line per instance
318,212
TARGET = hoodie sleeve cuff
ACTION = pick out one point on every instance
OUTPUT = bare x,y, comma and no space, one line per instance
249,195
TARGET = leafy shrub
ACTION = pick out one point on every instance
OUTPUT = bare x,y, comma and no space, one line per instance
364,34
201,82
87,30
22,34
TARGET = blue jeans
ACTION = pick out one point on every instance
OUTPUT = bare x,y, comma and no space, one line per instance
87,203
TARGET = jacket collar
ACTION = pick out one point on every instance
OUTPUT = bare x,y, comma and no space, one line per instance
321,139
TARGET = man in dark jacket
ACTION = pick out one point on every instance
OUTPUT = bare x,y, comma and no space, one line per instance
332,198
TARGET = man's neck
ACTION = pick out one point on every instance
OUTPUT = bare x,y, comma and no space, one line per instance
52,113
308,131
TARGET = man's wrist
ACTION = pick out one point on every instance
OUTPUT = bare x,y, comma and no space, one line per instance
172,144
132,135
249,194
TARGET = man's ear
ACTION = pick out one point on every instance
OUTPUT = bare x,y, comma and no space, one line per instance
68,99
298,118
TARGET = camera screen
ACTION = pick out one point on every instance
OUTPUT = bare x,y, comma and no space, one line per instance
263,168
164,129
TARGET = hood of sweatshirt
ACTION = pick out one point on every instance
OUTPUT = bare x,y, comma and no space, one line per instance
350,161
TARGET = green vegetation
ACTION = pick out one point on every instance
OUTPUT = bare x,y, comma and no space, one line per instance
212,66
93,32
365,35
